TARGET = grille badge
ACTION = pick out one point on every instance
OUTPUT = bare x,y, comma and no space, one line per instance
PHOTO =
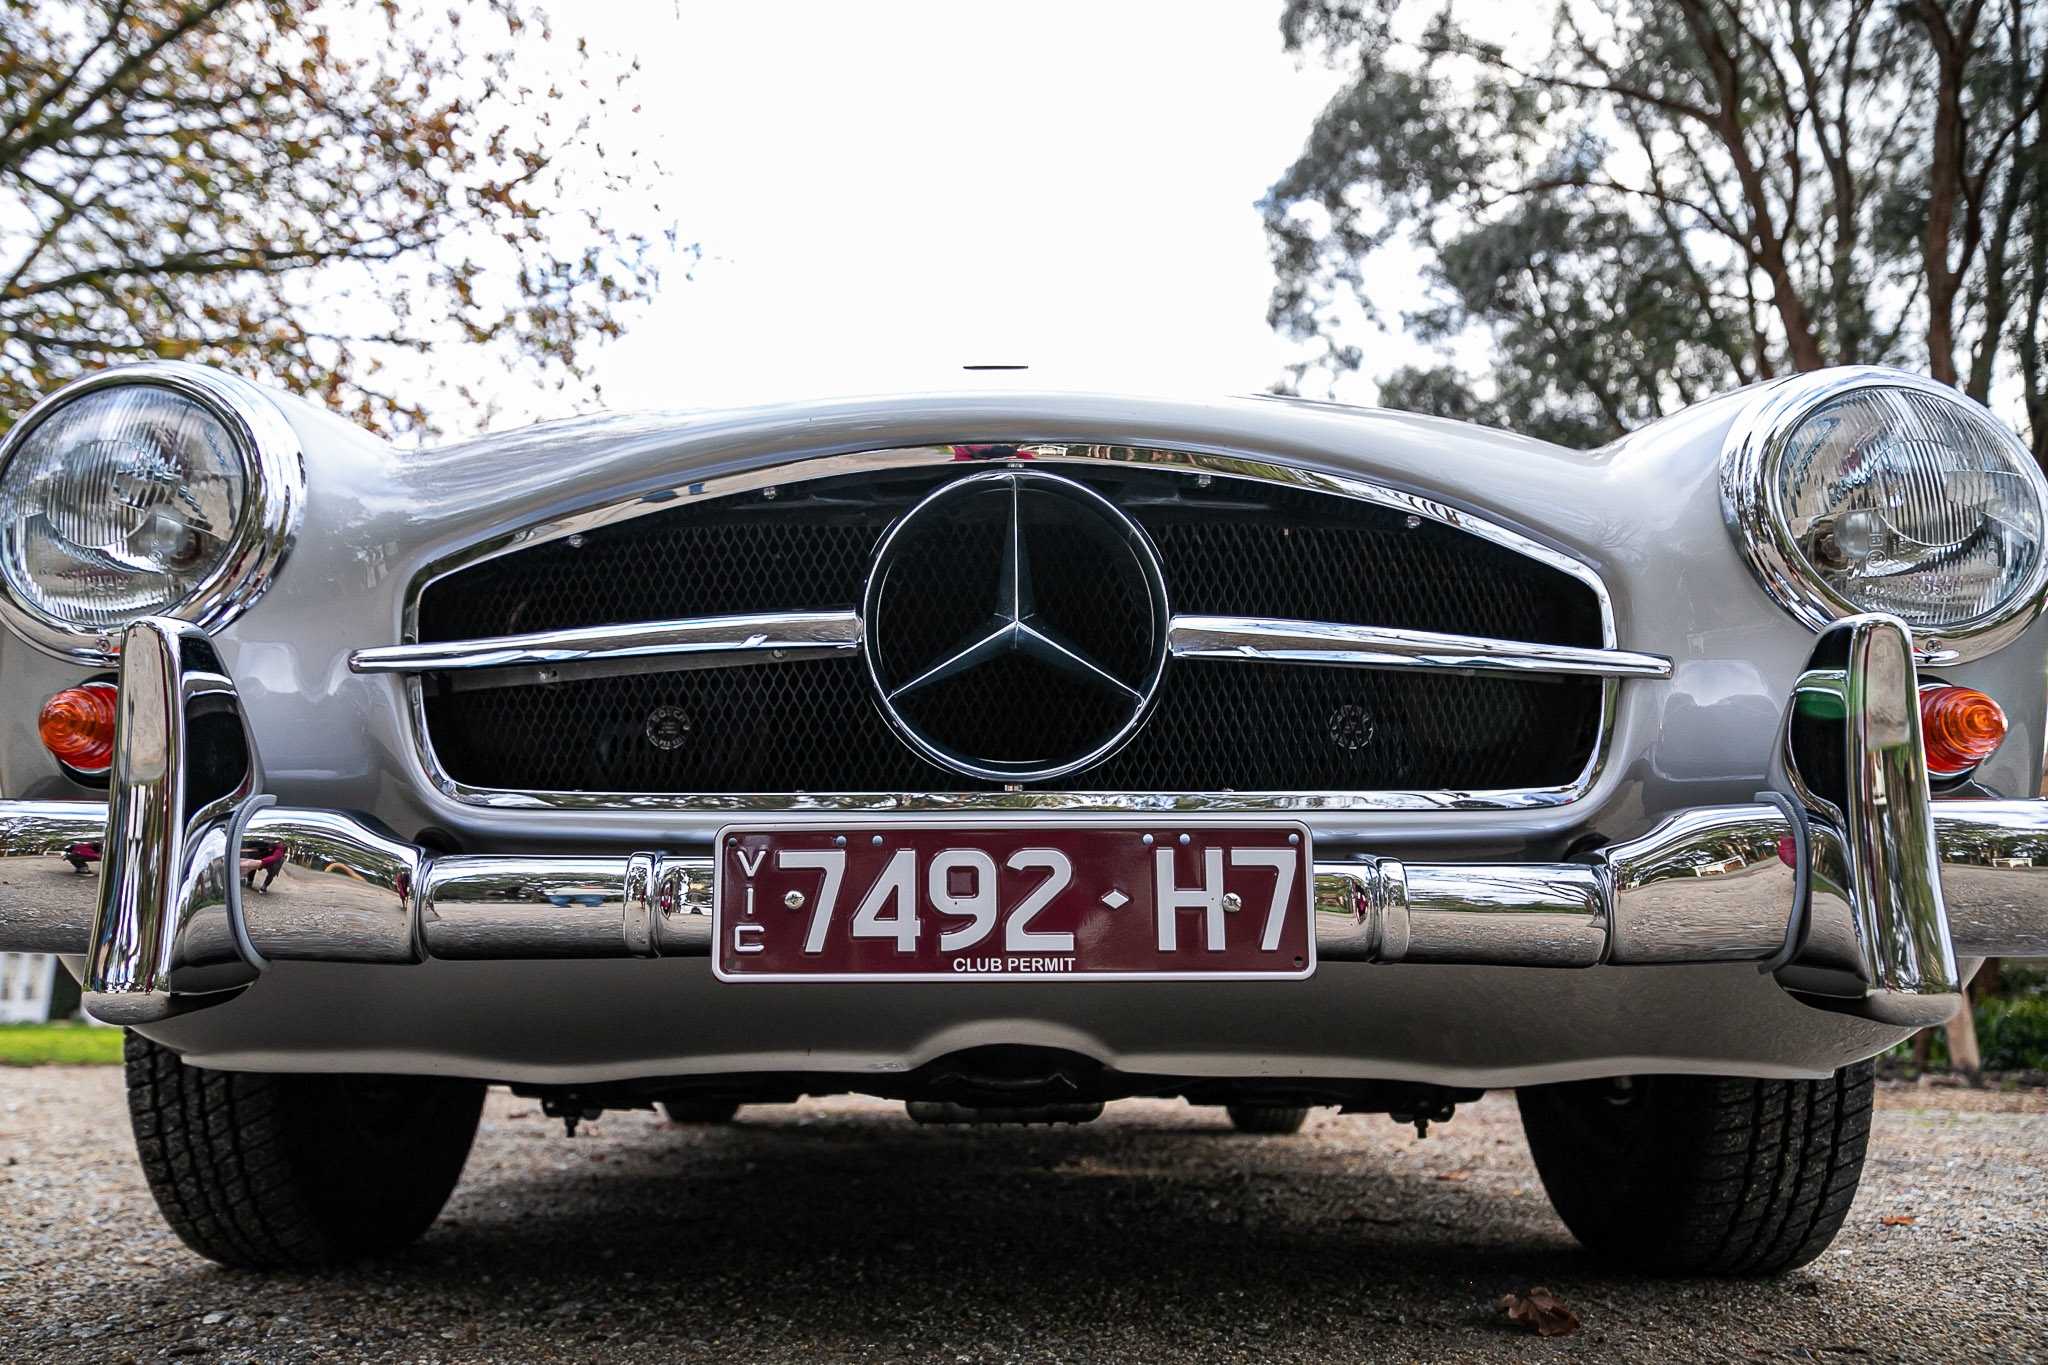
1023,502
1351,726
668,727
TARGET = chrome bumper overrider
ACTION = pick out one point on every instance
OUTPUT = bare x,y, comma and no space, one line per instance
1857,891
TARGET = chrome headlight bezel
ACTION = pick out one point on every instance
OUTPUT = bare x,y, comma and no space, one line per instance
1750,502
274,504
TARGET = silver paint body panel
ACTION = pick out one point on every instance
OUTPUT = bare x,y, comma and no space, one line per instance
1644,514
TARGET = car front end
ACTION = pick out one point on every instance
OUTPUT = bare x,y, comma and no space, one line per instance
1012,751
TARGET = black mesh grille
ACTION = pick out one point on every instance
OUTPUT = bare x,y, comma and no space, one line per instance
1304,556
813,727
1230,547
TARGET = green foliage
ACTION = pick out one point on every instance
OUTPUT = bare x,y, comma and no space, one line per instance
2013,1033
64,1044
2012,1026
294,189
1665,198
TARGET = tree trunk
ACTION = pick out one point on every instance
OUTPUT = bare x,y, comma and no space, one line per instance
1766,244
1963,1053
1944,177
1962,1043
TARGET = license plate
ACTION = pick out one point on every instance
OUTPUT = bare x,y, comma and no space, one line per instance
1014,902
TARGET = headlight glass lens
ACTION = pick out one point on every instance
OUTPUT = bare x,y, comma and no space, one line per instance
1907,502
120,504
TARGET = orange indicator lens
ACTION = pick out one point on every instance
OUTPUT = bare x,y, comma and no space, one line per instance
77,725
1960,727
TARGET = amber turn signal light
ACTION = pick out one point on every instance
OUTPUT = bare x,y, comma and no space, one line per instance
1960,727
77,725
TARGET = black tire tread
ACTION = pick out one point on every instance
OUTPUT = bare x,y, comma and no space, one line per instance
245,1169
207,1144
1777,1200
1736,1176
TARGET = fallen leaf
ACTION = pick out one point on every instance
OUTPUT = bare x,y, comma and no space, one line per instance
1898,1220
1452,1175
1542,1313
1354,1214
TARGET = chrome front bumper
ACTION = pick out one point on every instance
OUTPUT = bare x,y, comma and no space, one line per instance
1859,894
1707,885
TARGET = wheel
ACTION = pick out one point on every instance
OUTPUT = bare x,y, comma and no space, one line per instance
266,1172
698,1111
1265,1118
1702,1174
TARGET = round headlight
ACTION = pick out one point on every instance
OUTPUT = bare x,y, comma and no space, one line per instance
159,490
1862,489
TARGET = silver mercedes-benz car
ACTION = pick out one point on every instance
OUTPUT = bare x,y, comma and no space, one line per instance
1007,754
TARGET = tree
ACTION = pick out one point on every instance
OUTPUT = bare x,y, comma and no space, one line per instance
297,190
1658,199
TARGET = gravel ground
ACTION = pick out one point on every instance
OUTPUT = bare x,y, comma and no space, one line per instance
836,1230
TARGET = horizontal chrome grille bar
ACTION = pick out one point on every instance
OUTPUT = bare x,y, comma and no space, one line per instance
726,641
702,642
1323,642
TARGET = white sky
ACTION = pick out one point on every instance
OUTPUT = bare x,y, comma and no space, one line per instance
885,192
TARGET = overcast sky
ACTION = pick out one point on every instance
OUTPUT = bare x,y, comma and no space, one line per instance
886,192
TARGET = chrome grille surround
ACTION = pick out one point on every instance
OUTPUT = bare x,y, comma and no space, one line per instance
1007,454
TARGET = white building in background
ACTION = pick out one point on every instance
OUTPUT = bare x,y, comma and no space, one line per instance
25,982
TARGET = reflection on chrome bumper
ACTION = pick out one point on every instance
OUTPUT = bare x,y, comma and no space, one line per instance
1708,885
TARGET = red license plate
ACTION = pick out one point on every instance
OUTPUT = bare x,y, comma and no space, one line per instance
1014,902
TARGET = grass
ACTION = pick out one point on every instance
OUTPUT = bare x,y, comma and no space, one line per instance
66,1044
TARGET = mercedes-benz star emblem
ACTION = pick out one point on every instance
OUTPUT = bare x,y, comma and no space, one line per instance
1015,625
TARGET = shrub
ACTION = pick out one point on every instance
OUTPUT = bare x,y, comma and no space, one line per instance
2012,1033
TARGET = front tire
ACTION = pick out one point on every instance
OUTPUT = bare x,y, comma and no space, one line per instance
1705,1175
269,1172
